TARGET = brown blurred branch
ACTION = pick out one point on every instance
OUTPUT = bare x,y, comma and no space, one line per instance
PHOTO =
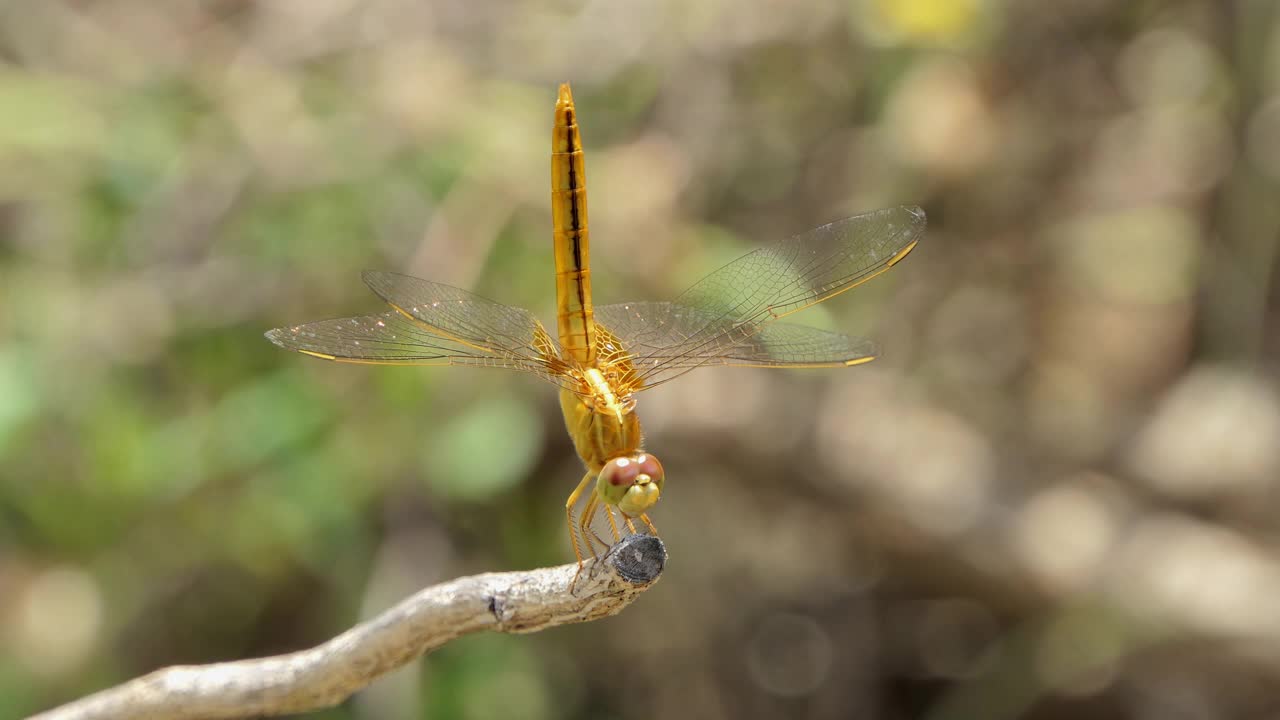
323,676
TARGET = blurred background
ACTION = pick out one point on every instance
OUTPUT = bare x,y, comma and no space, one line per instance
1055,495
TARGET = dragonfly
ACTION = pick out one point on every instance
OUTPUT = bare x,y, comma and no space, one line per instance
602,356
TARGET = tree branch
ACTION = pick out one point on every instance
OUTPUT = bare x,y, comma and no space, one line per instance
323,676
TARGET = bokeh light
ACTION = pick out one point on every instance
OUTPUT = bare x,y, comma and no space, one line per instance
1053,495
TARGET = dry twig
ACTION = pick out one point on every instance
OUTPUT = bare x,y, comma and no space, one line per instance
511,602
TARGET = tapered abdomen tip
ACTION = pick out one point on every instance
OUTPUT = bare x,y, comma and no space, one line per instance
566,95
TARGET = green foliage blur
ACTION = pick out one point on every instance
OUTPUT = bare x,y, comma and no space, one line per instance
1052,496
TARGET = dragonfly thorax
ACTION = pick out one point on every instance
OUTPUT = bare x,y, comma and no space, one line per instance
603,396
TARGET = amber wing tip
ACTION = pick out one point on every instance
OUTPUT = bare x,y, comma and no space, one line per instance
566,95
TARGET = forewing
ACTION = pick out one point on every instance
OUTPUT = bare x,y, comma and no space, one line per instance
654,337
785,344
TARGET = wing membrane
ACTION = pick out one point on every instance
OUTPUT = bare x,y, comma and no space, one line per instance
725,316
431,324
651,334
790,345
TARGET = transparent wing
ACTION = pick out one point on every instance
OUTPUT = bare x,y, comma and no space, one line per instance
431,324
778,344
797,346
721,319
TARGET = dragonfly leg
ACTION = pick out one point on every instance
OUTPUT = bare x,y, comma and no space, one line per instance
584,526
630,523
652,530
613,525
568,515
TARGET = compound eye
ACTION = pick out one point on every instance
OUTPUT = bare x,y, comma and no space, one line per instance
621,472
650,466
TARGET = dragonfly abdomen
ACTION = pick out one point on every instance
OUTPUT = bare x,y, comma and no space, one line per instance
571,236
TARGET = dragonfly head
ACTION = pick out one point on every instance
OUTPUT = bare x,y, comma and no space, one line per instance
631,482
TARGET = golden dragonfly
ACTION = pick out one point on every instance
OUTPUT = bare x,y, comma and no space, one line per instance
607,354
